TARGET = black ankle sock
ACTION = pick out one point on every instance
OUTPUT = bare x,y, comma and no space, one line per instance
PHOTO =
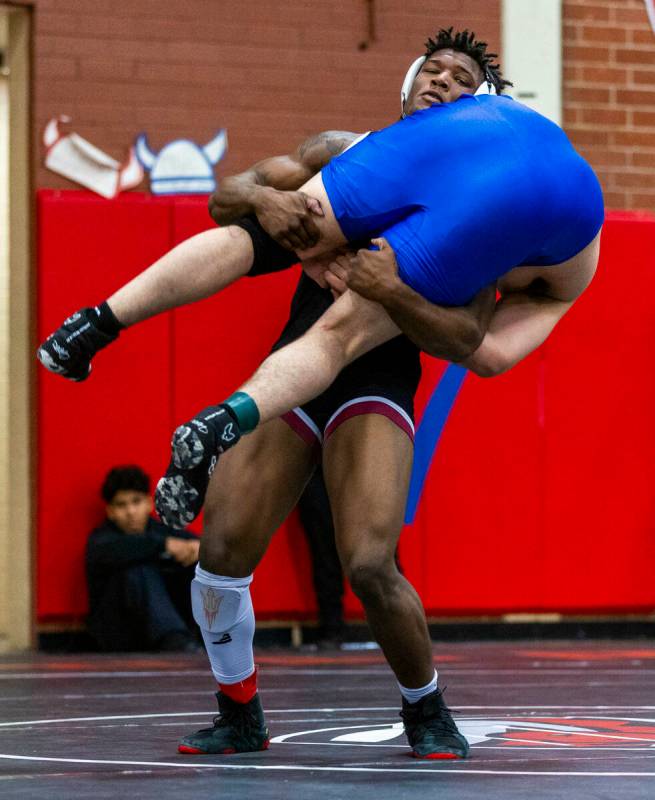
106,320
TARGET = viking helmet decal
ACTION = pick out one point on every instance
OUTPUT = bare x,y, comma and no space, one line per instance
182,166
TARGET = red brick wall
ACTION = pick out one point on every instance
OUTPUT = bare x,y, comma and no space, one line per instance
273,72
609,95
270,72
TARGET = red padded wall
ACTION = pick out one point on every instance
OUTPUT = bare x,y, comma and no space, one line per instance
88,247
154,377
478,518
600,434
540,492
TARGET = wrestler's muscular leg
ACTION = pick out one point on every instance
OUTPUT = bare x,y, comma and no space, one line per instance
367,464
204,265
270,469
288,378
195,269
302,370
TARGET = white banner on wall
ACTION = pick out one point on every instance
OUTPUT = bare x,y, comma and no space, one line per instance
75,158
650,10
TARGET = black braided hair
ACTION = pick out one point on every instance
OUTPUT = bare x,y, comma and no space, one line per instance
465,42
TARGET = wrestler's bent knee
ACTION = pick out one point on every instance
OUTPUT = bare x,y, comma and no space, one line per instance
372,579
228,554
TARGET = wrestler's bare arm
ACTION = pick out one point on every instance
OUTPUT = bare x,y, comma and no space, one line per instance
443,332
237,195
533,300
268,190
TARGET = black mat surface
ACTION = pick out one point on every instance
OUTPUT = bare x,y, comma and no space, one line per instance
545,720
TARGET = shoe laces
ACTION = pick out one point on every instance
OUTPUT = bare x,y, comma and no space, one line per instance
439,719
239,716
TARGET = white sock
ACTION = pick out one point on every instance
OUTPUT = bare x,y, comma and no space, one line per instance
414,695
229,643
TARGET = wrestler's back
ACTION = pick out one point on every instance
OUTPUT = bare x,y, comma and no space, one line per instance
465,192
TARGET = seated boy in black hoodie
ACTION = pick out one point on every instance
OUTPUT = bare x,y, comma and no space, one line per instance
139,572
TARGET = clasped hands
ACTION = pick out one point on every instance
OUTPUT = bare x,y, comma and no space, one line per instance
373,274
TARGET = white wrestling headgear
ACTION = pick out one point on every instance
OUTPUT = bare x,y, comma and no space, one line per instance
486,87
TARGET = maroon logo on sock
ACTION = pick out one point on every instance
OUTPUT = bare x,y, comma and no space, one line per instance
211,602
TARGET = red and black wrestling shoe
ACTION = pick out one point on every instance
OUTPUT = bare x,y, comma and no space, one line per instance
238,728
431,730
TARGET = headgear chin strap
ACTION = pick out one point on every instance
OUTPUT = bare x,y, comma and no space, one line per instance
486,87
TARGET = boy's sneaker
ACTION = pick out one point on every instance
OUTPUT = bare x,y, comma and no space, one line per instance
431,730
69,350
195,448
238,728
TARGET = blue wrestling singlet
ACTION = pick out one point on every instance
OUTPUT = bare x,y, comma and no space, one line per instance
466,191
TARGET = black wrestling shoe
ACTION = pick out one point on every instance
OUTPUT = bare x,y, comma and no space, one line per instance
431,730
238,728
69,350
195,449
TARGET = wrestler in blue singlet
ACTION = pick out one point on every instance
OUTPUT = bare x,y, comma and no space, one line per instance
466,191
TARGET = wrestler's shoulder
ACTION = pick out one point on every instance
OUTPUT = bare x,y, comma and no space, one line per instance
317,150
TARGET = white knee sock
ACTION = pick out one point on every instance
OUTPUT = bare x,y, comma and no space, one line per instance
223,610
414,695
